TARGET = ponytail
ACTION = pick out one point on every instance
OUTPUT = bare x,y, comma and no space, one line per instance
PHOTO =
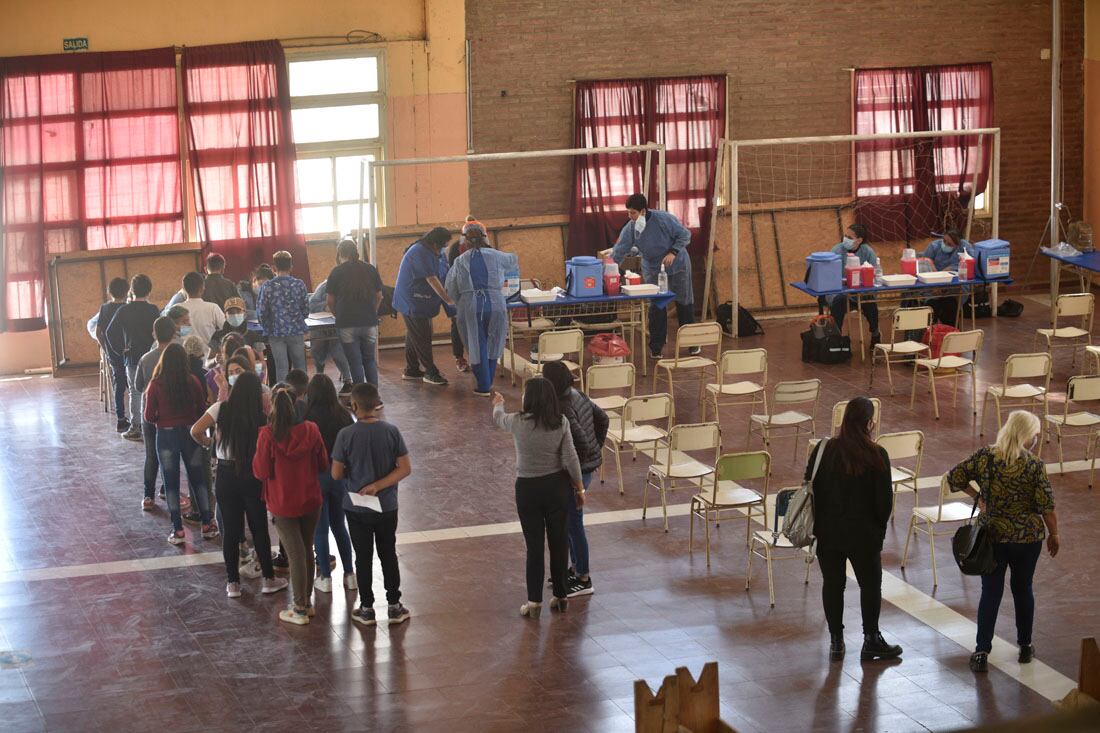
282,417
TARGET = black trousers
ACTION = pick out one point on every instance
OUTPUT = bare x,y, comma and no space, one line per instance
370,530
152,460
867,564
239,498
418,346
946,309
458,349
543,506
658,323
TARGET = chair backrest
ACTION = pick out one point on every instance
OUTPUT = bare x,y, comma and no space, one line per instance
840,407
698,334
900,446
1073,304
647,408
561,342
1083,388
799,392
963,342
748,466
946,495
911,319
610,376
1027,366
695,437
744,361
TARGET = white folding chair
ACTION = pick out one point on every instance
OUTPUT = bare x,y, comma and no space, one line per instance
1012,393
772,544
690,336
905,319
616,377
1078,308
643,423
926,518
903,447
555,346
726,493
837,419
1076,421
733,388
949,365
786,395
674,467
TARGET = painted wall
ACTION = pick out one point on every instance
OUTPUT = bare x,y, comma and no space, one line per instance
1092,113
425,80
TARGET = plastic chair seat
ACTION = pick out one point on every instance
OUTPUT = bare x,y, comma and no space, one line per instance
729,494
1017,391
790,417
1066,332
900,474
535,367
1093,349
736,389
954,511
683,466
634,433
767,538
611,402
691,362
1075,419
946,362
902,347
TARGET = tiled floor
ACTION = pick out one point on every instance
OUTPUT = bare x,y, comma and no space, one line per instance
162,648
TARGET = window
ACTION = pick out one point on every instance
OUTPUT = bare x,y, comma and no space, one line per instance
337,106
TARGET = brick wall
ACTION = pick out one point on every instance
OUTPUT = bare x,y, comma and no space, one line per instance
787,64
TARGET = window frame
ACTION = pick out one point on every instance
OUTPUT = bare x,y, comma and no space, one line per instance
343,148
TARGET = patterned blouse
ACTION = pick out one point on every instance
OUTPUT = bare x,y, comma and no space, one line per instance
1017,497
282,306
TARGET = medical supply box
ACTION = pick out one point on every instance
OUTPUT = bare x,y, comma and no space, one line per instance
584,277
824,271
993,258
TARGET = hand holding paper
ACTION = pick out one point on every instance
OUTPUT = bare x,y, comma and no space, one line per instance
367,501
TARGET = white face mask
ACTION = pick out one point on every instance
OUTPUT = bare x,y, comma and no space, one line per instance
232,379
639,224
235,319
849,244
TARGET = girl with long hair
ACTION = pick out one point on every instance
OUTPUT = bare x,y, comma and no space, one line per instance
852,503
290,454
174,400
323,408
548,477
1017,506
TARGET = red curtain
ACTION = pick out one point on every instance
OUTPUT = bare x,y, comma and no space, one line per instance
237,109
89,159
687,114
906,189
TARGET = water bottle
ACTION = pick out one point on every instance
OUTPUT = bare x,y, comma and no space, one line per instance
662,280
878,274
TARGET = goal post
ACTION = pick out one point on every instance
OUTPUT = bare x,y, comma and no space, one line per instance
921,187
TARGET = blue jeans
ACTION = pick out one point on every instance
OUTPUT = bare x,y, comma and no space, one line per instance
172,445
322,350
118,379
289,353
578,541
359,344
486,368
1022,558
332,516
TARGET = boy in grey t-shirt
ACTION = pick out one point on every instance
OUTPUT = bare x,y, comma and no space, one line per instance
372,456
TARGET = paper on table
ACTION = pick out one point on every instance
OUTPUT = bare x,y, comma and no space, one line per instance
366,501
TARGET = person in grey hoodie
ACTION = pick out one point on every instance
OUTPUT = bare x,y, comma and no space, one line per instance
588,425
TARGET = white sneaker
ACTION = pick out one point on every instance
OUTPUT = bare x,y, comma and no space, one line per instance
350,583
274,585
323,584
233,590
252,570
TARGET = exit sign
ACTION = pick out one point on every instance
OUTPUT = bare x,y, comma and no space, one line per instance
74,44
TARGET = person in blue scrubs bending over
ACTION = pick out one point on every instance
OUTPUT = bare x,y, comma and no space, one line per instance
661,239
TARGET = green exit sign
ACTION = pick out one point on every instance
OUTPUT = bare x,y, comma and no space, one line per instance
74,44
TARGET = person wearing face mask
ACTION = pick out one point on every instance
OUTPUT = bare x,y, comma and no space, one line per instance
661,240
1017,507
854,243
944,253
205,317
235,323
182,318
417,295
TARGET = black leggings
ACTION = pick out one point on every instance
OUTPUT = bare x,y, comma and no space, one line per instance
543,505
867,564
239,498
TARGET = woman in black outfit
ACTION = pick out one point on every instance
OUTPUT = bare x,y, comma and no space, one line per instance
852,500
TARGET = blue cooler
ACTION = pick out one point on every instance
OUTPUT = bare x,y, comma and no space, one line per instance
584,277
824,271
993,259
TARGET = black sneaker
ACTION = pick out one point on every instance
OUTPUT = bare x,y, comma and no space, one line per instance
694,351
282,565
364,616
345,388
412,376
134,436
1027,653
192,517
876,339
398,613
656,354
875,647
435,379
979,662
836,647
122,425
579,588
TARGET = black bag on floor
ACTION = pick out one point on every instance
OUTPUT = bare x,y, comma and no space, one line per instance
824,344
746,324
1010,309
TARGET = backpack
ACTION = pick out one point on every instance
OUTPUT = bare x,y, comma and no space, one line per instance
797,506
933,336
824,344
1010,308
746,324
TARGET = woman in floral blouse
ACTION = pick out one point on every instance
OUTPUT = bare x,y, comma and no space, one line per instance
1017,506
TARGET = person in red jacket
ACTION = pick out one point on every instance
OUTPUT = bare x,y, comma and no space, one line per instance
290,453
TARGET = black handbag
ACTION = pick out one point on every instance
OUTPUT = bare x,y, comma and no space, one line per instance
972,544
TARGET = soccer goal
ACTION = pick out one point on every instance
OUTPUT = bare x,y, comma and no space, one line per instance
782,198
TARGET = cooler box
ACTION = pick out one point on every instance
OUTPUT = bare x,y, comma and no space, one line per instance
824,271
584,277
993,258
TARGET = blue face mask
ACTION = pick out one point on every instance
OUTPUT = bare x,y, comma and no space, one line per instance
850,244
259,370
235,319
232,379
185,331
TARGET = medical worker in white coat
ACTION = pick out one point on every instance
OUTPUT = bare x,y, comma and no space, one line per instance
660,238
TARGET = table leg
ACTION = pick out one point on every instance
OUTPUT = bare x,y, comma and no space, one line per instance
859,325
642,319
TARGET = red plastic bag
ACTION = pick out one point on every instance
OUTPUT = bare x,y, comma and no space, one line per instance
933,336
608,344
